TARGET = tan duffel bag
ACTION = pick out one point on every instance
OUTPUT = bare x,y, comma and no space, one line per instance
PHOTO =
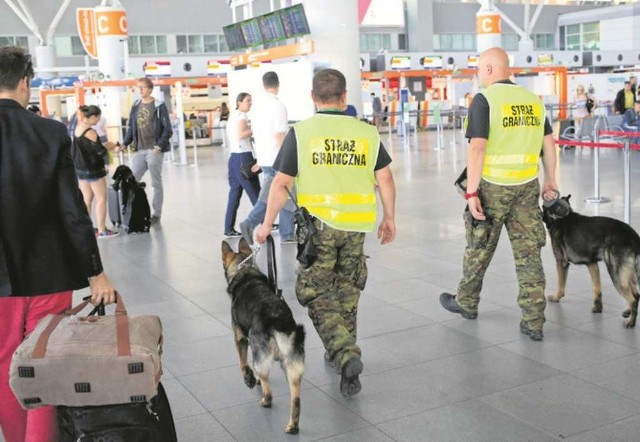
88,360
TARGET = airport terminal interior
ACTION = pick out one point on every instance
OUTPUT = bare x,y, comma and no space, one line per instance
429,375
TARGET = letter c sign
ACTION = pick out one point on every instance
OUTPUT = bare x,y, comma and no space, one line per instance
487,24
111,23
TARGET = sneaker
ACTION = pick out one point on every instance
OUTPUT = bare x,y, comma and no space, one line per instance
107,234
289,241
232,233
247,232
448,301
155,219
535,335
350,382
275,227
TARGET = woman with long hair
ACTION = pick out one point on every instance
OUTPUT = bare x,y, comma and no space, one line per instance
239,133
89,156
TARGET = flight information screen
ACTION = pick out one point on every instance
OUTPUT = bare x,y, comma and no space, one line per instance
271,27
294,21
234,37
251,32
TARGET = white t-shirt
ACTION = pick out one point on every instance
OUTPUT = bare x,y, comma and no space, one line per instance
269,117
237,145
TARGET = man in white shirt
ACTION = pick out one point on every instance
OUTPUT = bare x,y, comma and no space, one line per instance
270,124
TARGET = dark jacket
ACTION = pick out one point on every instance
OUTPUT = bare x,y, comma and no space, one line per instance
47,242
618,103
163,127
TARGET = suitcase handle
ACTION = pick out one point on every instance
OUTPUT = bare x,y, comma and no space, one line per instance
122,328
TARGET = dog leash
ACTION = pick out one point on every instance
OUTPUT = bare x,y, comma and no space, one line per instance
272,268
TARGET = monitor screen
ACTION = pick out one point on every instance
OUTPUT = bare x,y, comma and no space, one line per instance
400,62
271,27
294,21
251,32
234,37
431,62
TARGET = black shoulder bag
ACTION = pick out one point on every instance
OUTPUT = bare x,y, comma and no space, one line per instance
307,252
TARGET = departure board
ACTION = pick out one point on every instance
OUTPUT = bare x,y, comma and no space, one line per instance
294,21
271,27
251,32
234,37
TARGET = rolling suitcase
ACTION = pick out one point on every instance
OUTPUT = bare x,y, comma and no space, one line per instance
114,205
138,422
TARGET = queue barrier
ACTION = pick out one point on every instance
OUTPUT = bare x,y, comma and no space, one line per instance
627,147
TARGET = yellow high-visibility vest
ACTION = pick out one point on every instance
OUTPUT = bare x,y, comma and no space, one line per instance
337,155
516,134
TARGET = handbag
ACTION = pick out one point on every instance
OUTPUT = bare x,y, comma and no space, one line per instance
307,252
247,173
90,360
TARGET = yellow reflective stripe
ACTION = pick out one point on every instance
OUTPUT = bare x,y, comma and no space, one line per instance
343,217
336,198
508,173
511,159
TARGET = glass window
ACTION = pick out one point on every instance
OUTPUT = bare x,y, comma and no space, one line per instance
6,41
23,42
148,44
591,36
134,44
181,44
573,43
195,44
76,46
161,44
223,44
543,41
402,42
210,43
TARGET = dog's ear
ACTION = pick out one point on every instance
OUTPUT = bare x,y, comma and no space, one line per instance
243,247
227,254
568,197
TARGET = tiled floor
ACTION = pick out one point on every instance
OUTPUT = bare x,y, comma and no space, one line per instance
429,375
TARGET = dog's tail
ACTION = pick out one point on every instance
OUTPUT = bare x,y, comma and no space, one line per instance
298,341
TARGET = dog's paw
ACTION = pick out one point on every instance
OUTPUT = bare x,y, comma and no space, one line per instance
626,313
631,323
249,378
291,429
597,307
265,402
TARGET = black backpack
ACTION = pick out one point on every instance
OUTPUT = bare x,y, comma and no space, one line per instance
135,210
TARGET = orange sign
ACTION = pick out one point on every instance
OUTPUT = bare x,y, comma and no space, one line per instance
488,24
293,50
87,30
111,23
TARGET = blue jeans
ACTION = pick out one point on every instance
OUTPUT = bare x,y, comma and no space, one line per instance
256,216
237,183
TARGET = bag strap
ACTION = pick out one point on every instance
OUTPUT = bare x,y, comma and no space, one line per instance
272,267
122,328
292,198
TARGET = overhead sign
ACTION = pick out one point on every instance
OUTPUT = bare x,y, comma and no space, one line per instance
86,21
157,69
400,62
302,48
431,62
218,67
111,22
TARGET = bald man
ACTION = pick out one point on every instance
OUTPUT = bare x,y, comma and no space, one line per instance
507,129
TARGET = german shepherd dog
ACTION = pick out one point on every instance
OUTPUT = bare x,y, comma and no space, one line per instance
263,321
579,239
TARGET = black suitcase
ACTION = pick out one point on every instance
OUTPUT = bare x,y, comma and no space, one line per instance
136,213
137,422
114,206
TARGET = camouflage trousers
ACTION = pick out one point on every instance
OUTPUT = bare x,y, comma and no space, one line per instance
515,207
330,289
